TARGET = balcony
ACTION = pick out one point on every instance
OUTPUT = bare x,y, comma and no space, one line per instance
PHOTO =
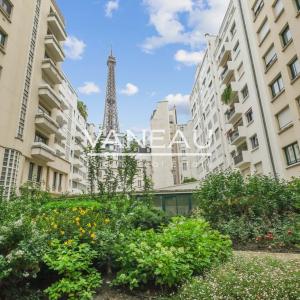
57,27
225,54
242,159
77,163
227,75
233,114
42,152
60,135
61,118
77,177
45,123
53,48
60,148
51,71
77,150
48,97
237,136
79,135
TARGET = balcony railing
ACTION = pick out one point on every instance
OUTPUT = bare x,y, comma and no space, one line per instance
238,158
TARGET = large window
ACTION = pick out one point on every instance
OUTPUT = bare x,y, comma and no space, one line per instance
286,35
245,92
298,4
2,38
6,6
270,57
277,86
284,118
263,31
294,68
254,142
249,115
278,7
257,7
40,138
292,154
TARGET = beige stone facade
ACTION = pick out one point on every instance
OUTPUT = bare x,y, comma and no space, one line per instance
31,53
273,29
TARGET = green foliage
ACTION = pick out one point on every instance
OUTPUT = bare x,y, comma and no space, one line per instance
184,248
82,108
65,204
227,95
73,262
249,279
22,245
188,180
258,209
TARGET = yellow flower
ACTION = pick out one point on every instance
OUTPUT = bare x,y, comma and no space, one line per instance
82,230
74,209
77,219
89,225
55,226
62,232
93,235
68,242
106,221
95,224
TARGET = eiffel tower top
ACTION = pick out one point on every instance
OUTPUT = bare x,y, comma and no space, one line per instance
111,121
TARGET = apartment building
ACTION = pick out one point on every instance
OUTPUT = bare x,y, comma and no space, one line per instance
164,165
274,38
73,143
30,102
208,118
244,118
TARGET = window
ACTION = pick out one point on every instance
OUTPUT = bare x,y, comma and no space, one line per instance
270,57
278,8
286,36
236,47
30,172
263,31
233,30
292,154
245,92
40,139
254,141
184,166
298,4
60,181
54,180
249,115
284,118
39,174
294,68
2,38
277,86
259,4
6,6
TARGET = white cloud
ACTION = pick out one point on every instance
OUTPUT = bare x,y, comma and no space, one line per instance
74,48
180,101
188,58
130,90
110,7
89,88
183,22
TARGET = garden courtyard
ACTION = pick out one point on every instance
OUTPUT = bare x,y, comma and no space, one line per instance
241,240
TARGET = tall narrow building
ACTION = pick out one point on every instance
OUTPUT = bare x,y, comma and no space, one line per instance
111,121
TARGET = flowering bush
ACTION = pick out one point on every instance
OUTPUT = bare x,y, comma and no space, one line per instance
22,246
249,279
184,248
72,261
257,211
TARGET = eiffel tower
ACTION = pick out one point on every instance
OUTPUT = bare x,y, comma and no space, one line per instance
111,121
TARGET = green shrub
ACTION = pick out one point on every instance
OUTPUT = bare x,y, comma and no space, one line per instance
249,279
72,261
258,210
184,248
22,246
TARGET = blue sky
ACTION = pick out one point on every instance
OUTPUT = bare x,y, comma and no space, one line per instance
157,44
